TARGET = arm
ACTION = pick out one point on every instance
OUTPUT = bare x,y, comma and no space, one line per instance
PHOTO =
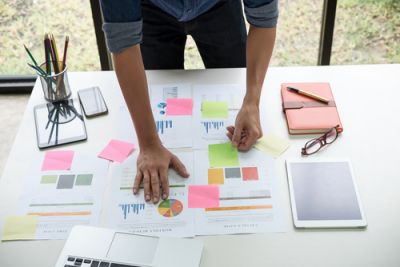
247,130
260,44
154,160
132,79
123,31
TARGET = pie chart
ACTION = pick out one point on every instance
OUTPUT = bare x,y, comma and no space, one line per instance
170,208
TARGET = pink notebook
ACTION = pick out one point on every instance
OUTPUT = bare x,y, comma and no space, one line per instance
305,115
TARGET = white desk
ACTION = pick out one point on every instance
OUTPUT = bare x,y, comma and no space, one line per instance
368,101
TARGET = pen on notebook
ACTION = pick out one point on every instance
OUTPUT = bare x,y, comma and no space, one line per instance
309,94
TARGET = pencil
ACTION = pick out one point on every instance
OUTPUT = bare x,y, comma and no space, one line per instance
48,53
30,55
65,52
54,43
37,69
53,56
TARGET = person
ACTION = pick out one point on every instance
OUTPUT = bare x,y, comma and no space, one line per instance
151,34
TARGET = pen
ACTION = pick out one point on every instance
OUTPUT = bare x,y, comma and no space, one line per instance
309,94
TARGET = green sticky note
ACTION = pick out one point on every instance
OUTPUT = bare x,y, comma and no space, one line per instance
48,179
84,179
214,109
222,155
272,144
20,227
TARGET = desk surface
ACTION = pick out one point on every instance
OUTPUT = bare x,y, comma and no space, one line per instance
368,101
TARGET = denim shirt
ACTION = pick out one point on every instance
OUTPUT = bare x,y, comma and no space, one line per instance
123,19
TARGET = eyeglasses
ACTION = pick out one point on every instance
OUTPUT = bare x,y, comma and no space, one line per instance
314,145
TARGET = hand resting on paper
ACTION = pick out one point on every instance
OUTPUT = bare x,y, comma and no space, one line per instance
152,168
247,129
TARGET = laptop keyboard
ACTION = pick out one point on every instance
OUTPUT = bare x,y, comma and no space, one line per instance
86,262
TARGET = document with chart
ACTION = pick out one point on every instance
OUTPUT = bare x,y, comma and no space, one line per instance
63,199
172,107
247,200
215,108
130,213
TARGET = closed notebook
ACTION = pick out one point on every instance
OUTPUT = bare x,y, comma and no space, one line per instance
305,115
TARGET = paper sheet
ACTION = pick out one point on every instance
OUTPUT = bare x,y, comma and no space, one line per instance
248,199
117,150
174,131
130,213
272,145
63,199
213,130
19,228
57,160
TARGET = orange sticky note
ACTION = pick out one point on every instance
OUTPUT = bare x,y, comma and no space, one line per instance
216,176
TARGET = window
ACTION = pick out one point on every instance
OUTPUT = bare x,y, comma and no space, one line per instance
366,32
25,22
298,33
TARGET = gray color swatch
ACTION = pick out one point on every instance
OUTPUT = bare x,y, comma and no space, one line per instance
66,181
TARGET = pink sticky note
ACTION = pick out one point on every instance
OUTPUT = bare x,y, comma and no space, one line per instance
57,160
117,151
203,196
179,106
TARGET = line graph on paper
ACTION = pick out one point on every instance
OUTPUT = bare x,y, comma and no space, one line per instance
135,209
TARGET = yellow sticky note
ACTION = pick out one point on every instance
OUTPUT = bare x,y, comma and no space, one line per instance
272,144
20,227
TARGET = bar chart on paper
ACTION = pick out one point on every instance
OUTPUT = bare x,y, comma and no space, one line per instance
163,125
133,209
212,126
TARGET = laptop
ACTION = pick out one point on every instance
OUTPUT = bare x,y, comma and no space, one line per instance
99,247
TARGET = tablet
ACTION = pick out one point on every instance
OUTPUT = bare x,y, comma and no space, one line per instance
59,123
323,194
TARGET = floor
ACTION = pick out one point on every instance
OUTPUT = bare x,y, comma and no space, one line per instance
12,109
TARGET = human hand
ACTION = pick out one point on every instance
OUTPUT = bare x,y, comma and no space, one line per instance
152,168
247,129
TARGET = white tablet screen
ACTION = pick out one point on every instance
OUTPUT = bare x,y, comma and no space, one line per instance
324,191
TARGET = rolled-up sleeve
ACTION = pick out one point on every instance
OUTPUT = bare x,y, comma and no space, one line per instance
122,23
262,13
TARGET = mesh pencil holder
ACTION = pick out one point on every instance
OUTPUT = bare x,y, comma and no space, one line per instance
55,86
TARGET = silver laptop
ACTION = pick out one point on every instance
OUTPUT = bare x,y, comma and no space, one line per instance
98,247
